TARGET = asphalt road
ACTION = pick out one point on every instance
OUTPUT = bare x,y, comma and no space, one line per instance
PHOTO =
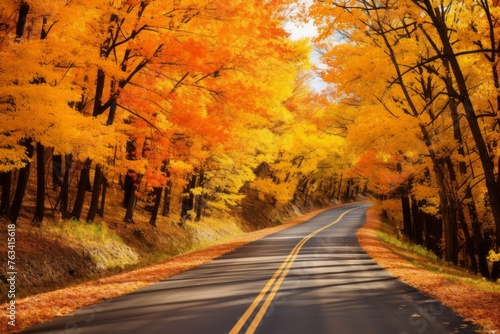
312,278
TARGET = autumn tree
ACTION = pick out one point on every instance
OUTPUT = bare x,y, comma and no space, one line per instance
429,48
181,99
37,86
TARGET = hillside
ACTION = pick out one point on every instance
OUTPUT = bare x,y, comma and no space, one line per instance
64,252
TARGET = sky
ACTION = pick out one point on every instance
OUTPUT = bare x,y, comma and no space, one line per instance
302,31
307,31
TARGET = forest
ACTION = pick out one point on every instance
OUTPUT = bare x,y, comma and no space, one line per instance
188,109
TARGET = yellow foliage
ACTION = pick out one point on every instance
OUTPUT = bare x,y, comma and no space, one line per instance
492,256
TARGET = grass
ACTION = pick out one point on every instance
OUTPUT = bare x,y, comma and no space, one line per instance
81,231
415,249
103,245
210,231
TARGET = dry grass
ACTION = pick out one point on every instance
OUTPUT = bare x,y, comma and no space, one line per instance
467,295
46,306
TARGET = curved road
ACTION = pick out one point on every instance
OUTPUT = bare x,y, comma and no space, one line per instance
312,278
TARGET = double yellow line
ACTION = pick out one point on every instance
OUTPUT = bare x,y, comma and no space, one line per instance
275,283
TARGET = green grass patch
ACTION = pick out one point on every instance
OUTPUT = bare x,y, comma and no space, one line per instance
415,249
103,245
211,231
82,231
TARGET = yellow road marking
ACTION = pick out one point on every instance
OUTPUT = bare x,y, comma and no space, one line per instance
277,278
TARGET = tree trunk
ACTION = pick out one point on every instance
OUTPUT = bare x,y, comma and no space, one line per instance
57,176
128,187
434,232
469,241
417,219
96,191
129,215
100,212
340,187
405,205
166,200
450,230
482,249
40,185
200,207
188,197
154,214
365,187
199,198
22,183
6,182
457,212
64,195
429,238
83,186
471,117
21,22
100,80
347,190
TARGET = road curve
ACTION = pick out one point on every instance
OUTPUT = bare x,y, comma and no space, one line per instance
312,278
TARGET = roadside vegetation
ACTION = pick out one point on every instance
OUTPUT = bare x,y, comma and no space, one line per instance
468,294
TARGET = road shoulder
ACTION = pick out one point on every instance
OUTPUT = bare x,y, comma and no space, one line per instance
452,287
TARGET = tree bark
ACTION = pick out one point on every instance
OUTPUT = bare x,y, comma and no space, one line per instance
405,206
433,234
57,175
23,16
96,191
6,179
340,187
154,214
200,206
64,195
83,186
199,198
450,230
482,250
40,185
128,187
166,200
417,222
22,183
104,184
129,215
188,197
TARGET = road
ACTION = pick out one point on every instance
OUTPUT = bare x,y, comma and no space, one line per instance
312,278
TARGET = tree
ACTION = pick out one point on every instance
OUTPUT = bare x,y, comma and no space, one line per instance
207,92
430,49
